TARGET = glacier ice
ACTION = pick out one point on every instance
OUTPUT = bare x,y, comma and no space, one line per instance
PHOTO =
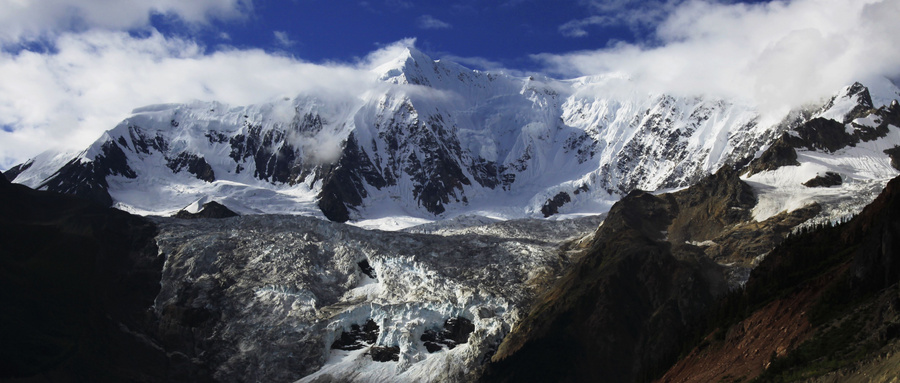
279,290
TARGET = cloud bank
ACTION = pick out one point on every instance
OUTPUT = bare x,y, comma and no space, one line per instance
774,55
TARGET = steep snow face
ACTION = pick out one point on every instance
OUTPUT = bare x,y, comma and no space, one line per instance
276,298
431,140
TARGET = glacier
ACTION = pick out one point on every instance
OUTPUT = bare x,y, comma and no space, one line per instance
267,296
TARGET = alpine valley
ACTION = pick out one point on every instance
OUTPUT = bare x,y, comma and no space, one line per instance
452,225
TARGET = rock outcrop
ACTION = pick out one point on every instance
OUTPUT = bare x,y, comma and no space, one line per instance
210,209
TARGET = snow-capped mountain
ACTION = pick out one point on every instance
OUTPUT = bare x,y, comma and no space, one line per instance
281,298
430,139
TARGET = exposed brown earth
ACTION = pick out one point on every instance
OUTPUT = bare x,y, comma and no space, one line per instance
748,347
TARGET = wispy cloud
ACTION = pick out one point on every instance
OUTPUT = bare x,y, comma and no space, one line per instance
775,55
578,28
385,53
481,63
283,38
635,14
429,22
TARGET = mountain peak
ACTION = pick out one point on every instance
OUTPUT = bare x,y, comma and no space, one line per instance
415,55
404,67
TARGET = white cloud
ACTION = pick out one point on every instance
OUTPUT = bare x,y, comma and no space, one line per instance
429,22
65,100
775,55
32,19
283,38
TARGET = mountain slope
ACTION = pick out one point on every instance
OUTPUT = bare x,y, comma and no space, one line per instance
822,306
77,280
641,288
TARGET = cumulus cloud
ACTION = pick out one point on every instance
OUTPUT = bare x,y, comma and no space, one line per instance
65,99
33,19
775,55
429,22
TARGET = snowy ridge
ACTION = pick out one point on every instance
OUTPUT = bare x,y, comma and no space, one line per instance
431,140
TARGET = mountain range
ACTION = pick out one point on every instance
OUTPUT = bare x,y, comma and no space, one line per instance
532,229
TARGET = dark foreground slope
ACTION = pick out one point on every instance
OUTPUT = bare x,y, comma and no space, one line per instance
620,312
76,284
825,305
643,288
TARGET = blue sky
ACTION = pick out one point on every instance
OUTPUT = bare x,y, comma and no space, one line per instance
71,69
505,33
